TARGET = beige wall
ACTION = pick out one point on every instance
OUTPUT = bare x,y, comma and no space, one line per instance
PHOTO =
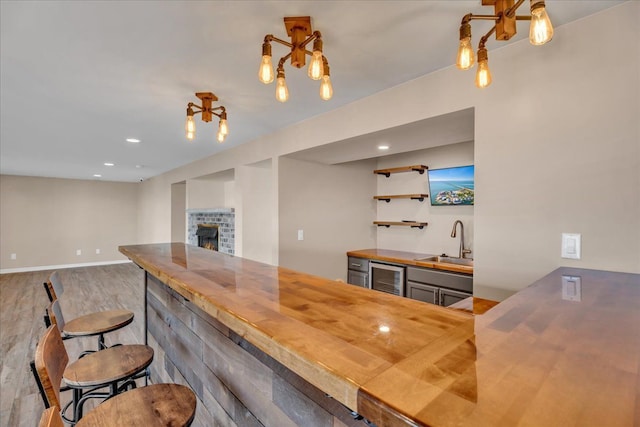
205,194
568,159
556,150
258,220
44,221
178,212
333,206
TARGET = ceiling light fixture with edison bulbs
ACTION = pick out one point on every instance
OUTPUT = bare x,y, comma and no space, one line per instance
299,29
540,32
208,111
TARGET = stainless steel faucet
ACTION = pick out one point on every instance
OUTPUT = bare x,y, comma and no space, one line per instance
462,251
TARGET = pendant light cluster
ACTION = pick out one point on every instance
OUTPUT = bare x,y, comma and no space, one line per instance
299,29
208,111
540,32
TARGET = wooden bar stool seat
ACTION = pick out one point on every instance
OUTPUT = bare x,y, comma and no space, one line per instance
155,405
115,368
108,366
89,325
93,324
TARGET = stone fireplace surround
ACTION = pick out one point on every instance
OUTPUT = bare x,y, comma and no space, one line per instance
223,217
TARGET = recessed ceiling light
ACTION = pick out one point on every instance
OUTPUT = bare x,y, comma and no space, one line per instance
133,140
109,164
139,166
97,175
383,147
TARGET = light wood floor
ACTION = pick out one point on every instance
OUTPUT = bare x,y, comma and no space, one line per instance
22,304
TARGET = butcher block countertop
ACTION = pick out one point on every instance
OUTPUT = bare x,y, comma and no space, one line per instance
535,359
409,258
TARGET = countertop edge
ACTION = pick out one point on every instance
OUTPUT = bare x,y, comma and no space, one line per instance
371,254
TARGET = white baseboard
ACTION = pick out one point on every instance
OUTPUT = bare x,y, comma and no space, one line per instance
58,267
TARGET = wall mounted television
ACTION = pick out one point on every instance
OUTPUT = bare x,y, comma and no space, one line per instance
451,186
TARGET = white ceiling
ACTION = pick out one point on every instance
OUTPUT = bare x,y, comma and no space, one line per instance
78,78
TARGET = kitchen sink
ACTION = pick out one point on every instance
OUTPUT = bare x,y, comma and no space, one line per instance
448,260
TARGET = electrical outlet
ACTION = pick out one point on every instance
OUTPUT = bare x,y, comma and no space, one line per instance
570,245
97,251
300,234
571,288
78,252
13,256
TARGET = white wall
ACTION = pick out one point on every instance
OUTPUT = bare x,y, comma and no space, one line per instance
436,237
333,206
556,149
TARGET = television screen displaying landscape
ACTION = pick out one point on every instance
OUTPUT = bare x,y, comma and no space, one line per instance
451,186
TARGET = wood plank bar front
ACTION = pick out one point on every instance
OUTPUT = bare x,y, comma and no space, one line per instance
534,359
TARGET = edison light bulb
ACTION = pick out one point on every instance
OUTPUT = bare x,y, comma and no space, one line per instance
316,69
326,90
465,58
282,92
223,128
483,75
265,74
190,127
221,137
541,30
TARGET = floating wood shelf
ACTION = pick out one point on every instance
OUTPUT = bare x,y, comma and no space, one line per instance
387,199
413,224
387,172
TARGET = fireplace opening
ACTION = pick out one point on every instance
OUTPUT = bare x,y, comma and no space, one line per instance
208,236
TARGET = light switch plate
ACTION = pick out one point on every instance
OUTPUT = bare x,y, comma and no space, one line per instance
300,234
571,288
571,243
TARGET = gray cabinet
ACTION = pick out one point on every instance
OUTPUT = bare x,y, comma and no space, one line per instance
358,272
449,297
438,287
422,292
358,278
423,284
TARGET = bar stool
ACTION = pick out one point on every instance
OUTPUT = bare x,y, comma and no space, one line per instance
89,325
115,368
155,405
93,324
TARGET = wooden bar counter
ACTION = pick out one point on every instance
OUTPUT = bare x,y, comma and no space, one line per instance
535,359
